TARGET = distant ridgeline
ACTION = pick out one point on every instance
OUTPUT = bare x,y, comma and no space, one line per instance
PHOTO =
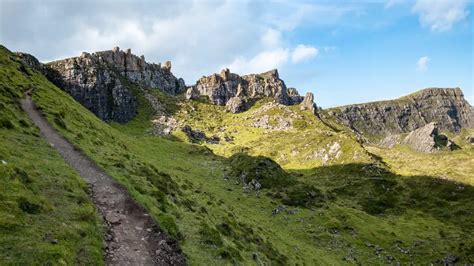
104,82
445,106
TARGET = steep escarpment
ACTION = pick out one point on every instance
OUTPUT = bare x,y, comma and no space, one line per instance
445,106
101,81
238,92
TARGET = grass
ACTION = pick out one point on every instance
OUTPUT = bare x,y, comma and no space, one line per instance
294,148
46,216
457,165
351,209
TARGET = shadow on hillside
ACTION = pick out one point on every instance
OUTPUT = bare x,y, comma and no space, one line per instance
378,191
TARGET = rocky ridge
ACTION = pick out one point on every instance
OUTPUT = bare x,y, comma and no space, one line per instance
100,80
446,106
238,92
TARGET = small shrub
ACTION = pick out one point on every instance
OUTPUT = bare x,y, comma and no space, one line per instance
300,124
22,176
5,123
29,207
168,223
23,123
210,236
230,253
225,229
302,195
59,121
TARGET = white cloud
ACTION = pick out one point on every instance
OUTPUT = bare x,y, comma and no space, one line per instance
271,38
422,63
272,58
303,52
198,36
441,15
261,62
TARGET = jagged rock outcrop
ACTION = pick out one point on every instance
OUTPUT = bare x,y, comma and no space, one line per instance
237,104
426,139
226,86
308,103
95,86
447,107
99,81
30,61
196,136
136,69
294,96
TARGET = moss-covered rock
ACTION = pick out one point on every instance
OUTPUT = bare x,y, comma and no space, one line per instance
265,171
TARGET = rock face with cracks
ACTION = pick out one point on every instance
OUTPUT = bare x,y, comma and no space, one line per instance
308,103
425,139
236,92
447,107
99,81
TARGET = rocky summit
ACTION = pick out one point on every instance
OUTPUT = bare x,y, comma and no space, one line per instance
100,81
446,106
238,92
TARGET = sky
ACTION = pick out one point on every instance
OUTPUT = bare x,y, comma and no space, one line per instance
343,51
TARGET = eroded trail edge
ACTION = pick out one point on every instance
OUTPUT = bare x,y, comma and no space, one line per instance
132,238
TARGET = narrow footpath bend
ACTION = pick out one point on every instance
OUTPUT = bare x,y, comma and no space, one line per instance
132,237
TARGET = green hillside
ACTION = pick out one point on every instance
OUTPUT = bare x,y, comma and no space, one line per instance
46,215
349,208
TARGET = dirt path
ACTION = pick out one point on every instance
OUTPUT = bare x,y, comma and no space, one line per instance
132,238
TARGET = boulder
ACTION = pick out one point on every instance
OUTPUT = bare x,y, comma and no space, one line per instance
428,139
191,93
236,105
196,136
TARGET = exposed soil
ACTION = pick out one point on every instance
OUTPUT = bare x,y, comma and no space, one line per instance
132,237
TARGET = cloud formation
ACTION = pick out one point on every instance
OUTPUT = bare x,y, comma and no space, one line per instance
441,15
303,52
422,63
198,37
272,58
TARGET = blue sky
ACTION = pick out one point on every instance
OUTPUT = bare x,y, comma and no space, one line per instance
376,56
343,51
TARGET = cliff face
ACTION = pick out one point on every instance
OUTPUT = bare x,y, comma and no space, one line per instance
236,91
97,81
446,107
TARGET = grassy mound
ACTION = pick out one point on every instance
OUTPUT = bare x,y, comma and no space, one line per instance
267,172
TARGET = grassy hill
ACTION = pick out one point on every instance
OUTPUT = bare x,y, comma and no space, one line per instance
348,208
46,215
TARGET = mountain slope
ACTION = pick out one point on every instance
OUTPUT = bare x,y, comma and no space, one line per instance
343,211
45,213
